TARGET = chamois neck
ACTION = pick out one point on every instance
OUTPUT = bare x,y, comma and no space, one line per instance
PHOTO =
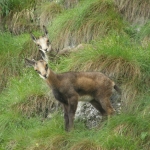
52,79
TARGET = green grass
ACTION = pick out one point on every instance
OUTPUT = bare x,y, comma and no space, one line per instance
87,21
11,63
120,55
15,5
47,12
126,131
19,88
130,130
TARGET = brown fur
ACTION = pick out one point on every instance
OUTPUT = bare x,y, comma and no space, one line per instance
68,87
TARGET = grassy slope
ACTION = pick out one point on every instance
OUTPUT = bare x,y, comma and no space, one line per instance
86,22
116,55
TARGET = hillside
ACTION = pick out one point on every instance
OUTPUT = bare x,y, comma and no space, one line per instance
116,41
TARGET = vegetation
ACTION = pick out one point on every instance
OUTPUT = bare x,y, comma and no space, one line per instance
119,49
140,14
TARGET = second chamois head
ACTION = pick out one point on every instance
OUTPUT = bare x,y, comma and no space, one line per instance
42,42
69,88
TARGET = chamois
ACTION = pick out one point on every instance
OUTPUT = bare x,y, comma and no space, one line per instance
45,46
42,42
69,87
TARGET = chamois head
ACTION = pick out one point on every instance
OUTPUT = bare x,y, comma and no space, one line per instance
43,41
41,67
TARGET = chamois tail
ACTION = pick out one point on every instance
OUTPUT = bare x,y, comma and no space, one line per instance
117,89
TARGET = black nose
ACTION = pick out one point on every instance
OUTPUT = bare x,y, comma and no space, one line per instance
45,76
46,50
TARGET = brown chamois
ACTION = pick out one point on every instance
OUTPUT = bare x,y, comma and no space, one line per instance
70,86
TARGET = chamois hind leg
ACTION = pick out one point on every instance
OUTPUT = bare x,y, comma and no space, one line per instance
73,102
106,105
66,117
98,106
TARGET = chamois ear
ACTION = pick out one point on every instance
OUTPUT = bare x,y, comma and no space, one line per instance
45,31
33,37
30,62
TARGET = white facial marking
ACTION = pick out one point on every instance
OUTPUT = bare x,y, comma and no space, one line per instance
43,43
42,69
42,76
45,57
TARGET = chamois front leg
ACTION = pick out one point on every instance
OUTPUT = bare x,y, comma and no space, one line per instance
66,117
73,102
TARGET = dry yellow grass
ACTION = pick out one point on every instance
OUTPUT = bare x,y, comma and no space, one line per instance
83,26
47,12
135,11
116,68
86,145
20,22
69,3
59,142
41,105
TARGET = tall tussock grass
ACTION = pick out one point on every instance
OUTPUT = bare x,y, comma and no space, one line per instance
47,12
17,16
135,11
21,22
8,58
37,105
69,3
108,55
15,5
84,23
143,35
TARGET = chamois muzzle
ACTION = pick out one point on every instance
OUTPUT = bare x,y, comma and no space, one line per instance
45,76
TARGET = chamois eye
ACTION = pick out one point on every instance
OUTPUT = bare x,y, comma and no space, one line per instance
38,71
38,45
46,67
48,42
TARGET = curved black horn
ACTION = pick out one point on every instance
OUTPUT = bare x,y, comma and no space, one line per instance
45,30
33,37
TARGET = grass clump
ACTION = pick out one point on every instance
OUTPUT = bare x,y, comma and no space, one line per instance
9,57
69,3
109,55
19,89
21,22
84,23
86,144
47,12
17,16
15,5
139,15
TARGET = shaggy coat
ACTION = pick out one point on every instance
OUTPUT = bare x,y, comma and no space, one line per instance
69,87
